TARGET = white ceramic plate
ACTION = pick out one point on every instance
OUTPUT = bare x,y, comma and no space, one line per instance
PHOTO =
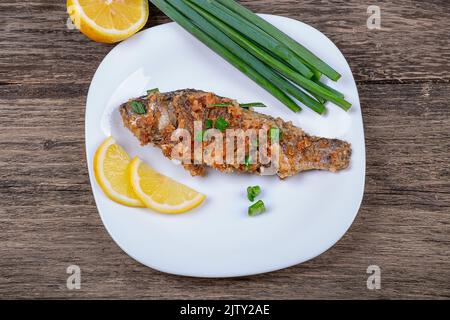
307,213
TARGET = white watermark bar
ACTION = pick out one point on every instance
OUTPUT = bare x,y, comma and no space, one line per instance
374,280
74,280
374,20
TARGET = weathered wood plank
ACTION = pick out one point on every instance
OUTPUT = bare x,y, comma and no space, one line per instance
49,220
37,47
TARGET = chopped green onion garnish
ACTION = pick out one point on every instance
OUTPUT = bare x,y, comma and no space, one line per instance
253,105
275,135
255,142
152,91
247,161
253,192
208,124
243,105
138,107
221,124
199,136
256,209
225,104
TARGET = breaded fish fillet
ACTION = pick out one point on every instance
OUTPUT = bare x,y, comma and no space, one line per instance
160,114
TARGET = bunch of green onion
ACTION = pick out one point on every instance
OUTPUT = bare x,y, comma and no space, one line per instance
265,54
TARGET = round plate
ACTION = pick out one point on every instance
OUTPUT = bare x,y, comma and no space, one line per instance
306,214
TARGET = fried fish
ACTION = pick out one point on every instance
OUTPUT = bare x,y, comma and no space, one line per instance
154,118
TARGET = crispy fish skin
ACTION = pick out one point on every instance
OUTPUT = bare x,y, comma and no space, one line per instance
166,112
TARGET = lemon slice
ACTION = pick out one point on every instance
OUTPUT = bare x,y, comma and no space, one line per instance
110,168
108,21
159,192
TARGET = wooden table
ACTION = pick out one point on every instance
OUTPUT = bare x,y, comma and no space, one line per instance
48,216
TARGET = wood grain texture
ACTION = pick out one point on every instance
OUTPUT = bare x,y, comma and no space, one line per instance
37,46
48,218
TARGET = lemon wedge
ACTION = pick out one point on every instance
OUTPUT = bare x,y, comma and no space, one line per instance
110,168
159,192
108,21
